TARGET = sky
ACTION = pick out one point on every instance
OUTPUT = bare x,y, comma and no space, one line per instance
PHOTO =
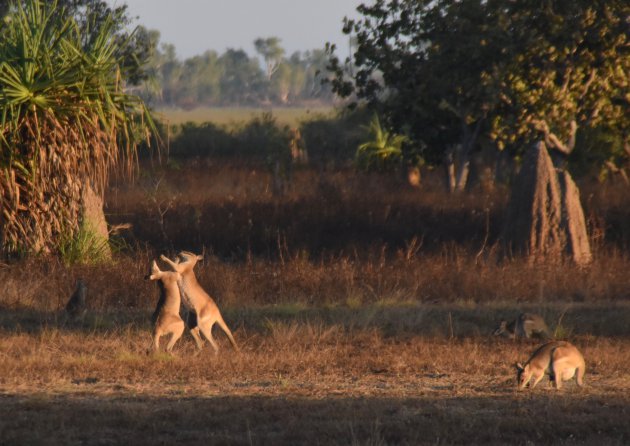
195,26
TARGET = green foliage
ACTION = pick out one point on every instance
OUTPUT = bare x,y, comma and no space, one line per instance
202,140
569,70
383,151
263,138
332,140
85,246
66,121
452,72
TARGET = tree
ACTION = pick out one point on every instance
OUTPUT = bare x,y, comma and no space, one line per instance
426,66
134,48
451,71
66,122
241,80
571,70
271,52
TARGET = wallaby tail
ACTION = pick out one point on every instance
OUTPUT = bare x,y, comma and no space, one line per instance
227,332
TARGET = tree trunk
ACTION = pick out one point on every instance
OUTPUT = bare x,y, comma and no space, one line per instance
92,220
449,162
462,175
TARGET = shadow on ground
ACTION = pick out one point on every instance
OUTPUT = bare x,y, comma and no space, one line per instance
443,321
512,418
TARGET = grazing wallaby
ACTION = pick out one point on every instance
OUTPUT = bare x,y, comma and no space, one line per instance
558,359
166,317
526,325
76,305
204,310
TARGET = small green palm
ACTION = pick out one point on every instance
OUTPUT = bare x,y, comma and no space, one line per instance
383,149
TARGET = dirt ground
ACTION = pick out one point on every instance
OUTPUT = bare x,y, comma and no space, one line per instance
298,382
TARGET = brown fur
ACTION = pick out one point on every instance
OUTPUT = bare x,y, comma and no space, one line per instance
166,317
199,301
526,325
558,359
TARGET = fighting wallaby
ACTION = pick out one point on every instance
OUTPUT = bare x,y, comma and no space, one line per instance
558,359
166,317
204,310
526,325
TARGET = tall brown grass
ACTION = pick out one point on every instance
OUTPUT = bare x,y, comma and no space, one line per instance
363,309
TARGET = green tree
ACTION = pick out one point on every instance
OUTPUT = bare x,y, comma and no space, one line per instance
271,52
570,70
426,66
66,122
451,71
241,82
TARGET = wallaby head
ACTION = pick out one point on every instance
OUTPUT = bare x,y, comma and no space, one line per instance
189,258
521,374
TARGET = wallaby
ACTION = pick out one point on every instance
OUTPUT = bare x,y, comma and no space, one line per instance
76,306
558,359
166,317
526,325
204,310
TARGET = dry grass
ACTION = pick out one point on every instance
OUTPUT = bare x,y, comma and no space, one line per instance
299,382
363,310
234,115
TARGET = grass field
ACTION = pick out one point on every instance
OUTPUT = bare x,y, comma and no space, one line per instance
290,116
312,377
363,309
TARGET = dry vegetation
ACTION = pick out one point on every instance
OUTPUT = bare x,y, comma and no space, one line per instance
233,115
362,308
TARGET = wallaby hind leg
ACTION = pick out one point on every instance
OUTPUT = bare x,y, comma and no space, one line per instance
557,374
580,377
156,340
206,329
227,332
178,330
197,337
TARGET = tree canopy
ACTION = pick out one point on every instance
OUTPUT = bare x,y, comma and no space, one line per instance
452,73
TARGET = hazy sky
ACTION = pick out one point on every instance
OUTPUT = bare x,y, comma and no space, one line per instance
194,26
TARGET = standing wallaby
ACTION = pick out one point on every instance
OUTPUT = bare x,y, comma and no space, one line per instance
558,359
201,304
526,325
76,306
166,317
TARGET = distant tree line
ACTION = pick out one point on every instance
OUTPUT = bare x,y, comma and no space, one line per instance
233,77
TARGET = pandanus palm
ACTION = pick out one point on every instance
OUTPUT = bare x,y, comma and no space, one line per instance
65,123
